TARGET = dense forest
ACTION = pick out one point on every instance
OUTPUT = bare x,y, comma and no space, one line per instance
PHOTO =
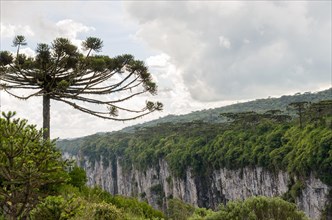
291,133
272,139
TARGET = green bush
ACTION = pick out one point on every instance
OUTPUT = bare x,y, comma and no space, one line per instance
178,210
105,211
201,214
57,208
258,208
30,168
130,206
77,177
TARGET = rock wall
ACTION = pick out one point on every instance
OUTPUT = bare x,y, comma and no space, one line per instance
156,185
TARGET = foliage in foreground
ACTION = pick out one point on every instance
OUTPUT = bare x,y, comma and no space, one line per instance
37,184
92,203
30,168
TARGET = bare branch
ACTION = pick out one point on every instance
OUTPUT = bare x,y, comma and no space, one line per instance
24,97
103,114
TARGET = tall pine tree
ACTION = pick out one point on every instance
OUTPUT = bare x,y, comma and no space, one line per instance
61,72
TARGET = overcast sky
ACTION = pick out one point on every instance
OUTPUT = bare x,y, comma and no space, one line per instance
202,54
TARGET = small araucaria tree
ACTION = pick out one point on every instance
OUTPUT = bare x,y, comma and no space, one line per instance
60,72
29,167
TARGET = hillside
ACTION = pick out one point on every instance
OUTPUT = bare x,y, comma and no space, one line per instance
259,105
211,115
190,158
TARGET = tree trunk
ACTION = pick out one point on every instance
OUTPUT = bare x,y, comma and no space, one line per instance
46,116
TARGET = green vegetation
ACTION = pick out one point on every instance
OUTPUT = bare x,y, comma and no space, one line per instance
298,141
258,105
178,210
272,141
255,208
30,168
92,203
77,177
36,183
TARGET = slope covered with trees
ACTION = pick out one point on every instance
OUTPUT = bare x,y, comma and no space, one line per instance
258,105
36,183
206,147
298,141
271,139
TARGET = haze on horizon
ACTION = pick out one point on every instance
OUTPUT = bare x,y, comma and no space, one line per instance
201,54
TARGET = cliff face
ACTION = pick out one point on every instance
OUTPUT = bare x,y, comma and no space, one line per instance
156,185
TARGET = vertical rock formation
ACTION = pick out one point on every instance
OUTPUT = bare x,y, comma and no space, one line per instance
156,185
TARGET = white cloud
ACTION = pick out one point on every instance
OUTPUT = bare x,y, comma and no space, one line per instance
224,42
274,48
266,45
74,20
10,30
29,109
47,31
173,91
70,29
158,60
66,28
28,51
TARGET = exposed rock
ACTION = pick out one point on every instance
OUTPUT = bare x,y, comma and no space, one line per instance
156,185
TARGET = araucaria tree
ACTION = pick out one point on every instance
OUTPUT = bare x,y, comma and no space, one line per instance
29,167
85,81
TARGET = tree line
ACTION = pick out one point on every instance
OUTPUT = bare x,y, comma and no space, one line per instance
271,140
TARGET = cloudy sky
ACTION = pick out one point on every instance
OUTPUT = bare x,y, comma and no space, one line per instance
202,54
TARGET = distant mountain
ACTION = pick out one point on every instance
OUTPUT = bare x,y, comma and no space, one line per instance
213,115
258,105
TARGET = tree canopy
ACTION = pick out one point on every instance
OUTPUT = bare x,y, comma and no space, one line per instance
37,183
62,72
29,167
268,142
260,208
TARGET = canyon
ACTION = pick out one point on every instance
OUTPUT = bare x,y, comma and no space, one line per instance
156,185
